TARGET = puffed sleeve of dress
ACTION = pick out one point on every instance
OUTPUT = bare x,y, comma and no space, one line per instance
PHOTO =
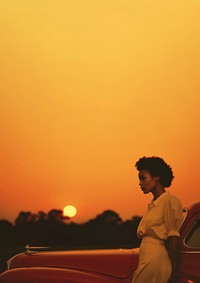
173,216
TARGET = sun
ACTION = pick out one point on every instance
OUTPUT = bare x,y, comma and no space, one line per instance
69,211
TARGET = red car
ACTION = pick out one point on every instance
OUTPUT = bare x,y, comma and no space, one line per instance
102,266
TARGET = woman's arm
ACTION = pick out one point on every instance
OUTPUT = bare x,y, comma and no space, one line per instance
173,250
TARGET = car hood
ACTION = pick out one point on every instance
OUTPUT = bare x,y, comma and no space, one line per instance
117,263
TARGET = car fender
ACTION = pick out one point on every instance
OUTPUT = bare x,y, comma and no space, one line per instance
52,275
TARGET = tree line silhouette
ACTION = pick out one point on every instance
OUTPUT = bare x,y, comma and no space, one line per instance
106,230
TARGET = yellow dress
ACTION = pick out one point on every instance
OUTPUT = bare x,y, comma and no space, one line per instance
163,219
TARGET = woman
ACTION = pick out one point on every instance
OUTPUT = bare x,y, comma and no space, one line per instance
161,224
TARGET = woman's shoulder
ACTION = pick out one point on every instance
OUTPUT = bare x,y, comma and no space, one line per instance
172,199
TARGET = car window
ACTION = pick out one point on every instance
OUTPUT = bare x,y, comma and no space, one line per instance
193,237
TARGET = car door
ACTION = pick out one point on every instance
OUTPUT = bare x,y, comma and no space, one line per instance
190,252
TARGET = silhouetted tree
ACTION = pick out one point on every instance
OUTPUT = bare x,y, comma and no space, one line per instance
107,217
6,240
6,233
42,216
56,215
130,238
23,217
106,230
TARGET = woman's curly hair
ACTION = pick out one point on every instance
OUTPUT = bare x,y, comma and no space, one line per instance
156,166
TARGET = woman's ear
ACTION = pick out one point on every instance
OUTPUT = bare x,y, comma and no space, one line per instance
157,178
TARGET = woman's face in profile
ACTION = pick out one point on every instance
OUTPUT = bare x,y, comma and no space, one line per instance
147,182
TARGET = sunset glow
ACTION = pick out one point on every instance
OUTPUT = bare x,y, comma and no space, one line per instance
87,88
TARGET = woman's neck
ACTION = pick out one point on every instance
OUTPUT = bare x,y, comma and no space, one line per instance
158,191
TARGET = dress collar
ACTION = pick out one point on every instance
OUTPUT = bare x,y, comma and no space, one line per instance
158,200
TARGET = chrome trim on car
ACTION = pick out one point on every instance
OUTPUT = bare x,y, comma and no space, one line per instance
185,213
11,259
33,249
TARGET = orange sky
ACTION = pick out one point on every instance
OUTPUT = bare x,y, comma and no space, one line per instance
88,87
